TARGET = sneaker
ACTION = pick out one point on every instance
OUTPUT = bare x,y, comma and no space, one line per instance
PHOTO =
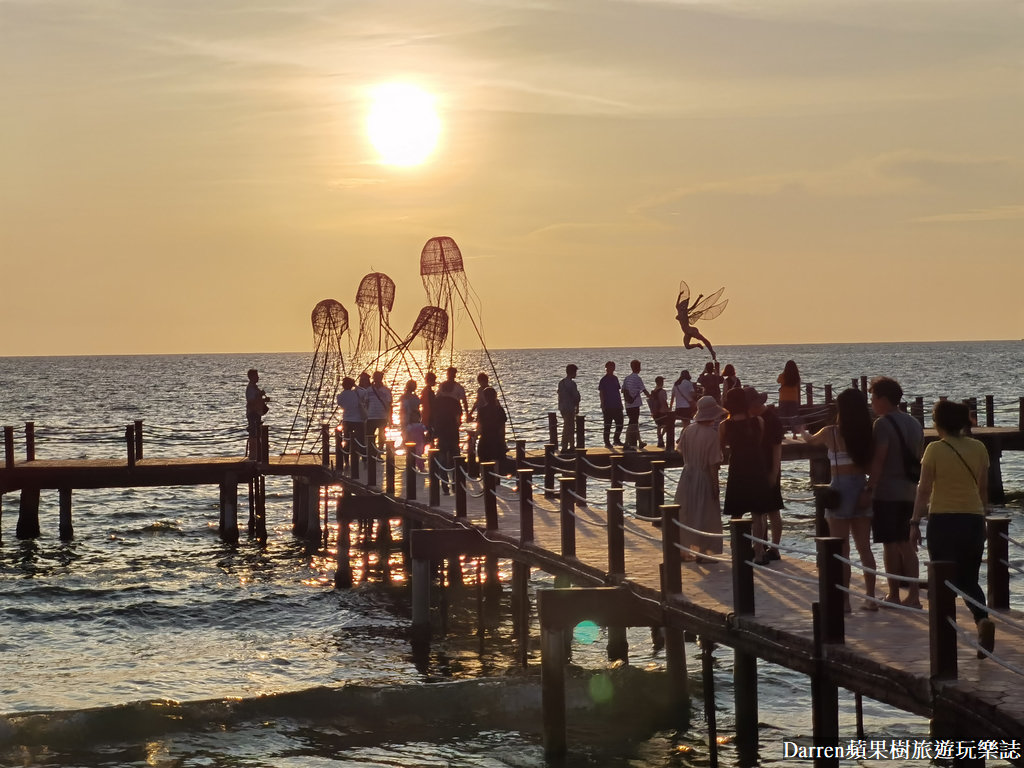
986,636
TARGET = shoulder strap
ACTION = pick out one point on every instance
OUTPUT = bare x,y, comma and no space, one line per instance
899,434
962,461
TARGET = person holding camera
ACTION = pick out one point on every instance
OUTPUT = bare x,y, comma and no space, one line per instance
256,405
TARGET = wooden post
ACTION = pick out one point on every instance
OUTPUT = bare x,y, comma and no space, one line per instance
229,508
264,443
66,527
707,666
490,483
568,522
420,602
581,431
809,388
340,457
28,514
300,505
615,470
343,570
990,411
616,535
864,384
828,394
742,572
675,668
353,456
9,447
996,491
941,609
325,445
138,439
459,482
580,469
820,523
657,486
520,454
313,530
671,575
472,464
824,696
129,439
550,492
553,428
261,508
831,599
521,610
409,480
434,464
30,441
917,410
389,467
1020,415
552,663
525,505
371,464
997,530
745,698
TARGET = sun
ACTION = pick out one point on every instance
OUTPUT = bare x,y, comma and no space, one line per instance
403,124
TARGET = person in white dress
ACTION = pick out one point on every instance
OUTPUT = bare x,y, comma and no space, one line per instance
698,491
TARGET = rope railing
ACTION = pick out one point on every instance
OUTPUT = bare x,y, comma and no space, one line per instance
706,534
631,473
992,614
702,555
638,532
972,643
765,570
1012,540
644,518
1012,566
880,601
882,574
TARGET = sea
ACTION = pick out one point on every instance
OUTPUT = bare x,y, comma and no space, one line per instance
147,641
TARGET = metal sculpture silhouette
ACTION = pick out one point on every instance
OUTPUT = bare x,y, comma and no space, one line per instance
317,403
375,299
703,308
431,327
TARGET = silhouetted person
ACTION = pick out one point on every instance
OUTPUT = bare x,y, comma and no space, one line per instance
256,405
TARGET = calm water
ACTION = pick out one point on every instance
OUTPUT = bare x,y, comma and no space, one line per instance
147,641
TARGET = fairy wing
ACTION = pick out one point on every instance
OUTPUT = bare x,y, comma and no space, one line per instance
684,293
707,308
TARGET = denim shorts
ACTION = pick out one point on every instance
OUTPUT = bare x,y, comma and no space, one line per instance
849,487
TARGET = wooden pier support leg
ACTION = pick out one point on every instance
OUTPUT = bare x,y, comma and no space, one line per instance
675,666
824,695
742,573
313,531
420,603
28,514
552,673
229,509
261,508
66,527
252,507
521,610
300,505
745,692
343,570
707,668
1,517
997,530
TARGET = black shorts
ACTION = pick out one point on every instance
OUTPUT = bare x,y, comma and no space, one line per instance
890,522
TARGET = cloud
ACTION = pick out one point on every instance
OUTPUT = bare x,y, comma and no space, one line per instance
998,213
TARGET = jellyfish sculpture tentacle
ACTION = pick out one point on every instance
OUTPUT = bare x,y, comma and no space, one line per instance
690,312
317,405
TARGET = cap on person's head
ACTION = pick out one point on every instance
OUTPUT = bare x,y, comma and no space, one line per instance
754,398
735,401
570,368
708,409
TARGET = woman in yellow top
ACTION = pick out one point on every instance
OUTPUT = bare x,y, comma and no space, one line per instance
953,493
789,396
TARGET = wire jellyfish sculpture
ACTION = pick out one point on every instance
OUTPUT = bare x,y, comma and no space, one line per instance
431,326
702,308
375,299
444,279
317,405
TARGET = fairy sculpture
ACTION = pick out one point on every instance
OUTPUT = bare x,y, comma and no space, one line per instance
703,308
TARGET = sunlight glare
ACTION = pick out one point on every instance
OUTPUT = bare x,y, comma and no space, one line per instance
403,124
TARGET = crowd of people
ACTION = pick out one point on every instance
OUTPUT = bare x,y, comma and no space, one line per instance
884,483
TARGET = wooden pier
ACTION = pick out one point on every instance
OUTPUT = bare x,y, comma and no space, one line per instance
624,566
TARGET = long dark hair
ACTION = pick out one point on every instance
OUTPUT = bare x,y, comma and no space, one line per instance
854,424
683,375
791,374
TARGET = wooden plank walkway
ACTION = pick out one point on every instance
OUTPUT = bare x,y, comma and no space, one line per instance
886,652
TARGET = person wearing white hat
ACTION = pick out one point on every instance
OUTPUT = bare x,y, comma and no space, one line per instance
698,492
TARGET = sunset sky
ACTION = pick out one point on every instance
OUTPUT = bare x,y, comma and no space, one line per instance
195,175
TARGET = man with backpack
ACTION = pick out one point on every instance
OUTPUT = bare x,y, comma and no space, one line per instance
892,483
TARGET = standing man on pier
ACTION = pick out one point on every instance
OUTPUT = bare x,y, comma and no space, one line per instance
455,391
611,404
255,406
568,406
892,483
632,388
